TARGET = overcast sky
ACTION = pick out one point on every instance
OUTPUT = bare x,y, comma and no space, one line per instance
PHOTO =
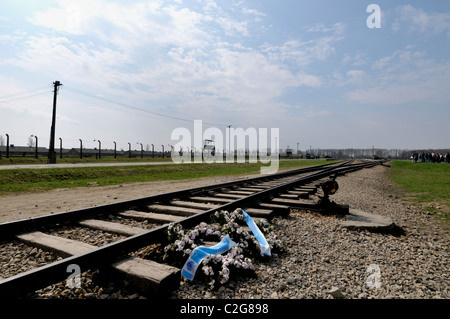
133,71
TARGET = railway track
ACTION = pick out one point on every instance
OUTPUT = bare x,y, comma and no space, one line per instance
261,197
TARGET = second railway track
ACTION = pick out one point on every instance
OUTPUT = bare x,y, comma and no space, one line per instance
261,197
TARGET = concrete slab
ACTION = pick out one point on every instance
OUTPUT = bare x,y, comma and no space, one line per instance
150,277
111,227
215,200
241,192
305,204
282,210
62,246
227,195
300,194
153,217
360,220
174,210
253,188
310,190
259,212
289,196
182,203
331,208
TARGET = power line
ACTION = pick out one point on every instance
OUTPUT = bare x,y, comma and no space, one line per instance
137,108
86,101
24,97
24,92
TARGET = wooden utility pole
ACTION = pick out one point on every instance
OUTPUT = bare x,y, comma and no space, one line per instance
51,151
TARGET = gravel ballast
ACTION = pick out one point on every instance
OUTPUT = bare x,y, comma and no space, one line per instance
323,260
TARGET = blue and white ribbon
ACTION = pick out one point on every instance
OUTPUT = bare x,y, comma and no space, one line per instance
191,265
263,244
199,253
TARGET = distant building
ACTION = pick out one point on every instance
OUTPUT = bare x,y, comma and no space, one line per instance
91,152
24,150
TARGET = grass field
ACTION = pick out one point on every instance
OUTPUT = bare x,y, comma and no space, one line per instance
18,160
426,184
29,180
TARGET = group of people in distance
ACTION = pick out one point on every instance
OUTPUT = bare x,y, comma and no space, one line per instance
430,157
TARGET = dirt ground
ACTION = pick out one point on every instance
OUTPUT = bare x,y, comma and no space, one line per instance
23,206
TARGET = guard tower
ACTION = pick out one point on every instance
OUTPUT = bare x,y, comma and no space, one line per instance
209,148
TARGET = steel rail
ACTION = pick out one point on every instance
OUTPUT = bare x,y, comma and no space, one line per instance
12,228
32,280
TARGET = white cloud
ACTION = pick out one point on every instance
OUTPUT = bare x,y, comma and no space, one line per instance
177,52
351,77
357,59
405,76
186,62
405,58
232,26
11,38
254,12
302,53
244,77
356,74
317,113
336,28
69,17
125,25
417,19
389,96
59,57
427,86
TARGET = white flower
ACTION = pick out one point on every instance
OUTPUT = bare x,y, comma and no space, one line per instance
208,270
